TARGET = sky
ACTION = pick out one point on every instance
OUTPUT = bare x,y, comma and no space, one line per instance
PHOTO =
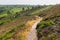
29,2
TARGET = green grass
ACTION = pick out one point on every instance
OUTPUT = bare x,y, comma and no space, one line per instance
26,8
42,9
4,21
3,14
7,34
44,24
11,31
14,10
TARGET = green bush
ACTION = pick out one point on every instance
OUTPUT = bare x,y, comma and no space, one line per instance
7,34
44,24
4,21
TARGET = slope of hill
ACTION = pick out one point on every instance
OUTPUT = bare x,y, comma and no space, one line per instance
14,29
11,12
9,29
49,27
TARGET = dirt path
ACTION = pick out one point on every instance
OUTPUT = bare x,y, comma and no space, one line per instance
32,35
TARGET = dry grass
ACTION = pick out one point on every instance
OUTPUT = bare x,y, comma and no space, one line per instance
22,34
19,33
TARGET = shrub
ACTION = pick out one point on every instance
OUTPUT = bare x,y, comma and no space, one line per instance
44,24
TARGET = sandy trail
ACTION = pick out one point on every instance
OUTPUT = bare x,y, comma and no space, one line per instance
32,35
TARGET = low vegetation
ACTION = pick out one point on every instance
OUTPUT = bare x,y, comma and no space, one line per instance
49,27
16,20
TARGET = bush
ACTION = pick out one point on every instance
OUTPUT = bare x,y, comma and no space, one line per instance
44,24
7,35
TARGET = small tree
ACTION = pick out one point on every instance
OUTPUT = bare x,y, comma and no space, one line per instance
23,8
10,15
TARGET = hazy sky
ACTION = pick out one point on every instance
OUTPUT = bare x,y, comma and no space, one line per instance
31,2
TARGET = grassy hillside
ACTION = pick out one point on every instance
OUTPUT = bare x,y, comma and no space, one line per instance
16,21
49,28
13,21
10,13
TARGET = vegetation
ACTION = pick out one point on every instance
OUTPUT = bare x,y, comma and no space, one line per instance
49,27
44,24
14,18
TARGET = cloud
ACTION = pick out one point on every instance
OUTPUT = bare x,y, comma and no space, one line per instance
31,2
